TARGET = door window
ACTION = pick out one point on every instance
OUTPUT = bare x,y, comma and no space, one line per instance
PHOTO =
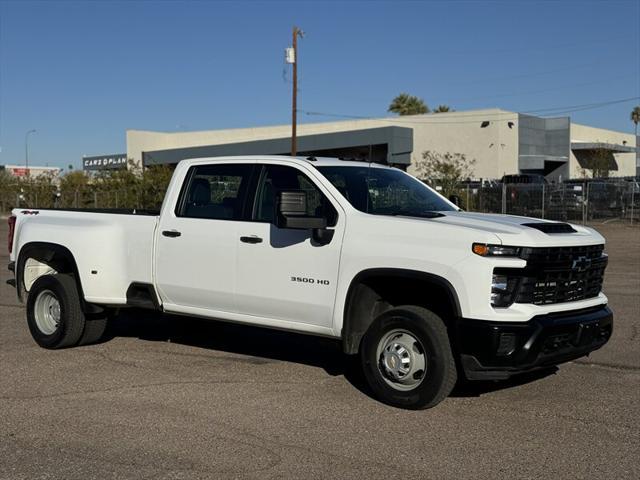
216,192
278,178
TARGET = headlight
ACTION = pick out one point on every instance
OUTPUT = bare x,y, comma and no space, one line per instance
502,290
485,250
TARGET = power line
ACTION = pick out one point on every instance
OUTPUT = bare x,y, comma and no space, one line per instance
551,89
584,106
533,47
505,116
527,75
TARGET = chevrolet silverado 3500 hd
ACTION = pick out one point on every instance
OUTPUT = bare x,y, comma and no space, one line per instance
420,290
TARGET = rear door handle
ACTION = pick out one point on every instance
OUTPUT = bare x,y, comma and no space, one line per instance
171,233
251,239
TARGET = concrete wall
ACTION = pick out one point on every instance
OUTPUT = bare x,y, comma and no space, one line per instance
626,161
495,147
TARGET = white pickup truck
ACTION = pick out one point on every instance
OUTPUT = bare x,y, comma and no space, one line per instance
423,292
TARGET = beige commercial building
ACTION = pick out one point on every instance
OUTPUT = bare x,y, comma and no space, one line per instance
501,142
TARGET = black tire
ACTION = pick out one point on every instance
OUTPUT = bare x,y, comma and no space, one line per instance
439,376
94,329
71,322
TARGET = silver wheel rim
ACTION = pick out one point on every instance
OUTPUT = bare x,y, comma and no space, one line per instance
401,360
47,312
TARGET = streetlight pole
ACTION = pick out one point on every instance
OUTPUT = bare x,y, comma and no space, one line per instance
26,147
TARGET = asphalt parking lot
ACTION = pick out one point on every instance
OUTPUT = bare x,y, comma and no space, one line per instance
173,397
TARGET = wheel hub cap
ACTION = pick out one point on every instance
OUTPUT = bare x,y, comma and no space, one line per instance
47,312
401,359
397,360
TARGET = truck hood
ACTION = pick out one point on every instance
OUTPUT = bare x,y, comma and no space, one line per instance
512,230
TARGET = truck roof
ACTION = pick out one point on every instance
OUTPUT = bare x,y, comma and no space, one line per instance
315,161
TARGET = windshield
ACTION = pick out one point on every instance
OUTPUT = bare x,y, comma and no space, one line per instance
382,191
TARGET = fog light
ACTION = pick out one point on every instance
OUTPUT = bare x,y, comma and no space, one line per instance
502,289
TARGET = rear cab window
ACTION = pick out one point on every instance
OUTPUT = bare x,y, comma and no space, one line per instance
216,192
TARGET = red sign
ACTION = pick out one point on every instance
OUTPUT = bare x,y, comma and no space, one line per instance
20,172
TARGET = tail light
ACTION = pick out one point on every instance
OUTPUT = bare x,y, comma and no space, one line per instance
12,227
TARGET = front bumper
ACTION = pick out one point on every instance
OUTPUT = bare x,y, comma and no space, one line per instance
497,350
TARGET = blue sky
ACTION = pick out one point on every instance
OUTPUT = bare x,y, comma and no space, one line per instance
83,72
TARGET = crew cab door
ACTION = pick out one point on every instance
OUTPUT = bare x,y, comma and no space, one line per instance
197,241
283,274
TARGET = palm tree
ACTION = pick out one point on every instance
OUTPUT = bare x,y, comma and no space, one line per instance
405,104
635,117
442,109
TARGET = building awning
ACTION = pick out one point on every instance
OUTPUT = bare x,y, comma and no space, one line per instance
391,145
611,147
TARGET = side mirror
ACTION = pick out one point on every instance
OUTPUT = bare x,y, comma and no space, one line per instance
455,199
292,212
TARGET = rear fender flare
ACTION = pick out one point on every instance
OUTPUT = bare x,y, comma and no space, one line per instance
47,252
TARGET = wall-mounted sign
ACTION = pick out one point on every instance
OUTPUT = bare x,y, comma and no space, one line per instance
105,162
34,171
20,172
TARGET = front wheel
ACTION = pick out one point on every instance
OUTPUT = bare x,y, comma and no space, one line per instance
406,358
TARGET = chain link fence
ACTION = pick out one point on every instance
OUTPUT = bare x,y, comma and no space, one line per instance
81,198
579,202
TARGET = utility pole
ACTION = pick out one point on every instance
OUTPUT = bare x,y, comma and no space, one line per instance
292,57
26,148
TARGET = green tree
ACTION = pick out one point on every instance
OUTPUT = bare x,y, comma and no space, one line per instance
600,162
154,182
74,191
596,162
8,190
134,187
5,181
446,170
635,117
74,180
405,104
442,109
39,191
119,188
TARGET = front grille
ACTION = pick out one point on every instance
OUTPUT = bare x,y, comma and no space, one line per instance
560,256
560,274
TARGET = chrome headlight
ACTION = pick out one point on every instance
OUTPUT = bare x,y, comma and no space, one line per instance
503,290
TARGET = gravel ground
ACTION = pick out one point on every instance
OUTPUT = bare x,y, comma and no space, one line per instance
174,397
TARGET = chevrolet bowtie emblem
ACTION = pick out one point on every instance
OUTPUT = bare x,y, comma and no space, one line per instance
581,264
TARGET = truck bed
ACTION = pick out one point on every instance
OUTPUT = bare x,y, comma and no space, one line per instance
112,248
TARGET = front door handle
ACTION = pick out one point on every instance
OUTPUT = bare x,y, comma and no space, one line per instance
171,233
251,239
